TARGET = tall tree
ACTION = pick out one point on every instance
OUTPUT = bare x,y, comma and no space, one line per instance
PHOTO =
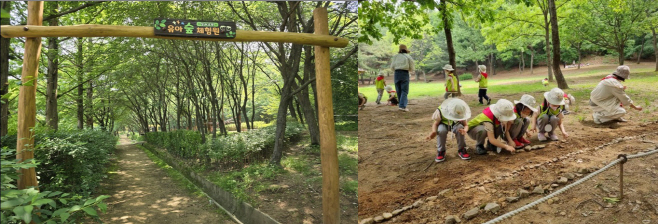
561,82
4,72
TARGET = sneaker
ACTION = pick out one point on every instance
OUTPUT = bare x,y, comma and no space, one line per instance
541,137
405,110
489,101
565,112
524,141
517,144
463,154
596,119
479,149
440,157
621,119
554,137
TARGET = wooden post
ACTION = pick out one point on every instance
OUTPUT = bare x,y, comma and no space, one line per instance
329,153
27,97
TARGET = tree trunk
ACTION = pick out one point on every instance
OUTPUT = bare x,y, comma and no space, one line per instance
532,60
447,25
52,118
561,82
522,60
578,48
620,51
275,159
655,46
548,49
4,74
639,56
80,97
89,107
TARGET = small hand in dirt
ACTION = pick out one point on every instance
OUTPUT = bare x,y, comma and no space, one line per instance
462,131
564,133
510,149
638,108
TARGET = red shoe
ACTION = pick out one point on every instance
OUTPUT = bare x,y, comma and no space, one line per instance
464,155
440,157
517,144
524,141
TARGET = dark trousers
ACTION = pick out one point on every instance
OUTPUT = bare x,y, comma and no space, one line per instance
483,94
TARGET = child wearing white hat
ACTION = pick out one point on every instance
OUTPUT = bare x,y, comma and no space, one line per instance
483,82
550,115
392,96
379,85
450,116
489,125
451,82
523,109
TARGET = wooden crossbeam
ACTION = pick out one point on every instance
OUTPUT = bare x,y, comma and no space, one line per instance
324,40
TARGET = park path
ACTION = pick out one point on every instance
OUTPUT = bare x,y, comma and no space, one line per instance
141,192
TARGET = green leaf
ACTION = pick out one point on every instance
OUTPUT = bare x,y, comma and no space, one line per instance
89,201
27,216
90,211
102,206
64,216
42,201
11,203
4,14
102,197
59,211
19,211
54,194
74,208
63,201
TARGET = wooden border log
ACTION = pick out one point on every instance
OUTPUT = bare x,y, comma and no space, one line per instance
324,40
328,151
27,108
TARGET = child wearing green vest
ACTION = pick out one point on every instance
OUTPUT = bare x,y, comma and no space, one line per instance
451,82
489,125
450,116
483,81
550,115
379,85
523,109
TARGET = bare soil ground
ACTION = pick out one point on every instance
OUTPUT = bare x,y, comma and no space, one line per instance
143,193
393,156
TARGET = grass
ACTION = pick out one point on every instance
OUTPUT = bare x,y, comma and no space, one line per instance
506,86
347,125
245,184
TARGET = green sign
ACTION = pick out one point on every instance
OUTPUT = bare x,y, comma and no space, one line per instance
193,28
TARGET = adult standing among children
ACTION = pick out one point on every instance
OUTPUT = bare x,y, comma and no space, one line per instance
451,81
609,96
402,64
379,85
483,80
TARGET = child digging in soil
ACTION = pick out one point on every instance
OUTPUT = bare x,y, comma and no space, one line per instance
362,101
392,96
450,116
550,116
523,108
489,125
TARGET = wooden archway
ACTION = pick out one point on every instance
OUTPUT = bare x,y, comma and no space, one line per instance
34,30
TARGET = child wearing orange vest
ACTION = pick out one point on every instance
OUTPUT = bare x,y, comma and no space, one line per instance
450,116
490,124
550,115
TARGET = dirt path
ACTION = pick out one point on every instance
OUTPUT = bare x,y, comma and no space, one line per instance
143,193
393,155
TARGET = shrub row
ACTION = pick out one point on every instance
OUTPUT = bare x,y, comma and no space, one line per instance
187,144
70,160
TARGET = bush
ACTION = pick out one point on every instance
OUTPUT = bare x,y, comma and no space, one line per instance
465,76
70,160
187,144
41,207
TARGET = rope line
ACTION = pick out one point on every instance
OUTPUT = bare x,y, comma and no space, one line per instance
541,200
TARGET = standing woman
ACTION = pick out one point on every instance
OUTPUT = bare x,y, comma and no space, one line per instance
402,64
451,82
483,80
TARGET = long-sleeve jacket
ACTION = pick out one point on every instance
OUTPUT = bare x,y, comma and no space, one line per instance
609,93
402,62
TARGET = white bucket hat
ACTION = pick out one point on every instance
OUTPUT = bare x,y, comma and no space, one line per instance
555,96
388,88
455,109
528,101
482,68
503,110
448,67
623,71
